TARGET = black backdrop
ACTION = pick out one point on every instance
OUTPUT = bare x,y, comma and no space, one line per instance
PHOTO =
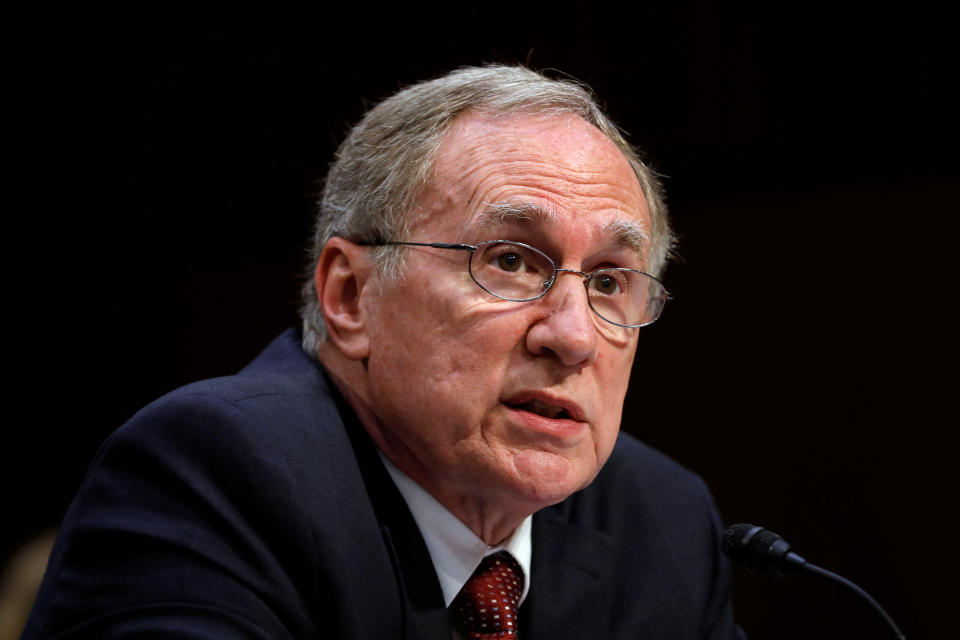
165,161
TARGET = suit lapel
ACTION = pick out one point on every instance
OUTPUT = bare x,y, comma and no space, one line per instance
425,616
569,565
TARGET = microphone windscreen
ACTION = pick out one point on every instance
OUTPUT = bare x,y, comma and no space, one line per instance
760,550
733,541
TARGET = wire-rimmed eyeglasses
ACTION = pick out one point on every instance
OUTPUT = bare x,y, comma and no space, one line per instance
517,272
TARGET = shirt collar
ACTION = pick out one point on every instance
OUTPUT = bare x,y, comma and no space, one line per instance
455,550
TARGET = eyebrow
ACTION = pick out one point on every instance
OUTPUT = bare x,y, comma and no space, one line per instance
631,234
501,212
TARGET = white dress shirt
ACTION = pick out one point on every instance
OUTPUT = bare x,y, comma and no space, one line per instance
455,550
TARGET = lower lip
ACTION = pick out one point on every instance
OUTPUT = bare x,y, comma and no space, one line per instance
557,427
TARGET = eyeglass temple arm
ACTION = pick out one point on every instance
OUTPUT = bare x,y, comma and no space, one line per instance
435,245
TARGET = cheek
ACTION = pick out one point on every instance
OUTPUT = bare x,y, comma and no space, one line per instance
427,372
614,375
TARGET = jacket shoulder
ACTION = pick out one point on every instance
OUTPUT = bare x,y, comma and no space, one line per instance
215,502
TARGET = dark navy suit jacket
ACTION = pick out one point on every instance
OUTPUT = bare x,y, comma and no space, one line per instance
255,506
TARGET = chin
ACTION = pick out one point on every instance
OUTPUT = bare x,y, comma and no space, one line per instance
547,478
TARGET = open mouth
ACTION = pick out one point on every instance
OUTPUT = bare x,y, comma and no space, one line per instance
541,408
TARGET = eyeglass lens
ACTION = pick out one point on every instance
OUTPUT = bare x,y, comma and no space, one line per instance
518,272
512,271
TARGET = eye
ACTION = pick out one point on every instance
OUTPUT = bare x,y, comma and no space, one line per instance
606,284
510,261
609,283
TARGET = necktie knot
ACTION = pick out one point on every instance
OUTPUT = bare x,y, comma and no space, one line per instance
486,606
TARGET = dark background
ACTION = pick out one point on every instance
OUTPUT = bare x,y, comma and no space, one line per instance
165,163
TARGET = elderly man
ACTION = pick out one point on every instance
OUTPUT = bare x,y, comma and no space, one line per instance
437,455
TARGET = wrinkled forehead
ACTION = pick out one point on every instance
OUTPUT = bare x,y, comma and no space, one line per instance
629,233
535,170
564,140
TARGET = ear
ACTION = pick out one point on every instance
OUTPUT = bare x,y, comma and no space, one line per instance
342,272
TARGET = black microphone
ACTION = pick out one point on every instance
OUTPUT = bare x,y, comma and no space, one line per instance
762,551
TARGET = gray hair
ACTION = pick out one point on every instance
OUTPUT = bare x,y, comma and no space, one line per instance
386,159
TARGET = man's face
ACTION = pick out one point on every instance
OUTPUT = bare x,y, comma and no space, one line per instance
498,400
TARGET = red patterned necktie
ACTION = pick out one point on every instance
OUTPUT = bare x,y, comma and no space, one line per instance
486,606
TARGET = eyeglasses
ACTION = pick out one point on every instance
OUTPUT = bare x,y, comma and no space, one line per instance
520,273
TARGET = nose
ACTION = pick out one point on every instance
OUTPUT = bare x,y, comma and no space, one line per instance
567,331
